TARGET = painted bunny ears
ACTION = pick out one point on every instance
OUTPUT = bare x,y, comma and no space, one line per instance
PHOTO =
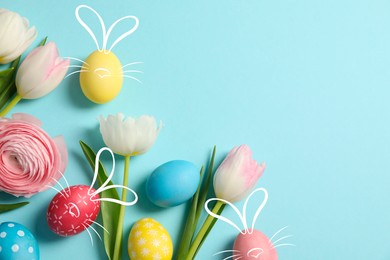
241,216
104,186
106,34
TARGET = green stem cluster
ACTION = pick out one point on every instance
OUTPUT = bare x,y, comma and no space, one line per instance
119,233
190,244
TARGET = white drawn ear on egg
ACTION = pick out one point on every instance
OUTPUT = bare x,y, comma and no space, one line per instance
255,252
103,47
71,206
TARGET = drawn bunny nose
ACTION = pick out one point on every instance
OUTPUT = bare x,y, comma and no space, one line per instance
102,72
74,210
255,252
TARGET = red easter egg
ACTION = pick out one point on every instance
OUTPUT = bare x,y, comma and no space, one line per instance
73,210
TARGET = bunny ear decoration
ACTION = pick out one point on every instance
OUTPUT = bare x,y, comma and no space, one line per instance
259,209
87,28
241,216
105,33
124,35
220,217
104,186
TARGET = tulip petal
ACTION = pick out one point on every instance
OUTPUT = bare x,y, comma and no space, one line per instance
128,136
15,35
40,72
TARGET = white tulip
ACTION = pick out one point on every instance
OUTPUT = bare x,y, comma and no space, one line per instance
15,35
129,136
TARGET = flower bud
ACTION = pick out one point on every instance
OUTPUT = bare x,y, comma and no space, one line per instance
15,35
129,136
40,72
237,174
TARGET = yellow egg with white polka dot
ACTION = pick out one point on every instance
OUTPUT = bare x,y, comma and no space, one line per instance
149,240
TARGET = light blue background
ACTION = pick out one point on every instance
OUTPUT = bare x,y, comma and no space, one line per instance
305,83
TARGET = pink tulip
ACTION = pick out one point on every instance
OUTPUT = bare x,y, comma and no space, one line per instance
30,161
40,72
237,174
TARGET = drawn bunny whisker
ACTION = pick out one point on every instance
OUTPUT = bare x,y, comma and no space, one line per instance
75,66
275,246
131,77
99,225
74,72
225,251
89,233
62,187
132,63
282,238
250,243
236,256
66,182
277,232
135,71
94,230
57,190
76,59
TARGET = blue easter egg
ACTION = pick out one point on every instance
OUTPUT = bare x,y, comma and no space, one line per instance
17,242
172,183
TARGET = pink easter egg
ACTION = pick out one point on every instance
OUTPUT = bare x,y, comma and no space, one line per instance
73,210
253,245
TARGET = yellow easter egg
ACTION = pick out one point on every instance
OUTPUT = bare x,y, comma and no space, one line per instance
101,77
149,240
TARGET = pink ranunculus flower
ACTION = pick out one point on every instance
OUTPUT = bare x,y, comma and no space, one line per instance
41,72
30,160
237,174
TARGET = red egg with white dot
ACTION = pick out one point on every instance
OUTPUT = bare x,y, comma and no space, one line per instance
73,210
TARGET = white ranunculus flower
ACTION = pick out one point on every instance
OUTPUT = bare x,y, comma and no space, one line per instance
129,136
15,35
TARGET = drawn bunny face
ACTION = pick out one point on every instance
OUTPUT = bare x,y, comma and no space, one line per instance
250,243
254,245
75,208
101,75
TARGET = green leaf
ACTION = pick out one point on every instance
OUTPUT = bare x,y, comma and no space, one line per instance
205,189
43,42
5,77
196,209
7,93
7,82
190,226
219,212
109,211
8,207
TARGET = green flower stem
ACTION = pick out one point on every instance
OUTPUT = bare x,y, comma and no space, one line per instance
203,231
10,105
119,233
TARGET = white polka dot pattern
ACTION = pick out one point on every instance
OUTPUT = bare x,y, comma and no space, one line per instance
17,242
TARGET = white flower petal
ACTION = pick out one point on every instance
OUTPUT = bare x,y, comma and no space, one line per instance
128,136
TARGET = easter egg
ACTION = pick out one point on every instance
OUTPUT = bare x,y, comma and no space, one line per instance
17,242
172,183
73,210
101,77
252,245
149,240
